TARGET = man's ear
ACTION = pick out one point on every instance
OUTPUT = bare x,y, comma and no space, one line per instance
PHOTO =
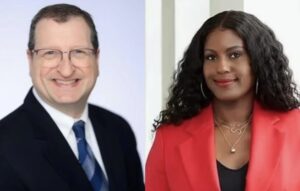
97,55
29,56
98,60
30,60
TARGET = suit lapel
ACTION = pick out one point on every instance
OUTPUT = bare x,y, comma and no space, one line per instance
266,147
197,152
110,150
54,147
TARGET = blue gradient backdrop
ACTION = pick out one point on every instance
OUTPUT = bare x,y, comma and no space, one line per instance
120,87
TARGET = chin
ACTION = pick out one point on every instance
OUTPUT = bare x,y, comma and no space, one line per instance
231,97
227,97
67,100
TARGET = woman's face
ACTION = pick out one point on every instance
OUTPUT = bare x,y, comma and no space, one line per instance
227,69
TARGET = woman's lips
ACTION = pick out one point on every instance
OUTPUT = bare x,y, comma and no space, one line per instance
224,82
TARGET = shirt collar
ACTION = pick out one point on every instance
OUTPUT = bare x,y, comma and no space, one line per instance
62,120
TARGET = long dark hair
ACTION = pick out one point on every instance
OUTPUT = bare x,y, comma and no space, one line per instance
276,89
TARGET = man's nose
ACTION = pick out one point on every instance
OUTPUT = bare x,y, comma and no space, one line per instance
66,67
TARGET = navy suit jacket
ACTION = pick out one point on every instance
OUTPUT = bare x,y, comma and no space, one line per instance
34,155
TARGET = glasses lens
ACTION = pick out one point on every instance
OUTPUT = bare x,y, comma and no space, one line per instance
49,57
49,54
80,57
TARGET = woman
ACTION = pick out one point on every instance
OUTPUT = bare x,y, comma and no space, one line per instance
232,122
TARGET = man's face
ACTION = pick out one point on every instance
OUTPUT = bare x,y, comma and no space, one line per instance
63,82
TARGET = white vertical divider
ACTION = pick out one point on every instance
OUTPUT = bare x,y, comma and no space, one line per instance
153,66
217,6
189,16
170,26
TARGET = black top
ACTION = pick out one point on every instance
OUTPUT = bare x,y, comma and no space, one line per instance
231,179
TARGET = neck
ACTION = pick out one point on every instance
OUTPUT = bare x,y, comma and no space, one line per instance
71,110
232,112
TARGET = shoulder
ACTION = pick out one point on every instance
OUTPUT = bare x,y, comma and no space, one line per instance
201,124
16,131
202,121
24,114
113,126
13,119
285,119
111,123
289,122
292,116
106,116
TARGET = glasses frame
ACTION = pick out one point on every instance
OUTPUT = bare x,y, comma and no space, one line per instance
69,52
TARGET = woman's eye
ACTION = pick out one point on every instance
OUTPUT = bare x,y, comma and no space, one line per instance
210,57
235,55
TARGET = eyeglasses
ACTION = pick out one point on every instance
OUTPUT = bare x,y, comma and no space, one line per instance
52,57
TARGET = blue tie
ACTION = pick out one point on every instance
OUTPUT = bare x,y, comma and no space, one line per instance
87,159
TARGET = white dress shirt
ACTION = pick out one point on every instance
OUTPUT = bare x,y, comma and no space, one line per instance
65,123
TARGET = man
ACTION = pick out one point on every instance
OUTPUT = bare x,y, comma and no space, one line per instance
55,141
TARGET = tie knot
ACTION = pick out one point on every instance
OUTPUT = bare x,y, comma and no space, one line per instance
78,129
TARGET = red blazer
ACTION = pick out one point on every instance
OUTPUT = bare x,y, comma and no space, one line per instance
182,158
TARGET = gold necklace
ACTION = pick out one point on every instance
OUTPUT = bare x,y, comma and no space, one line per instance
232,146
235,128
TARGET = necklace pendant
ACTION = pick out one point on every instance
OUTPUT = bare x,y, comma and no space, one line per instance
232,150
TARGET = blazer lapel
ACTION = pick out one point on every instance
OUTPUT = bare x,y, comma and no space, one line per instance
54,147
198,152
266,147
110,150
